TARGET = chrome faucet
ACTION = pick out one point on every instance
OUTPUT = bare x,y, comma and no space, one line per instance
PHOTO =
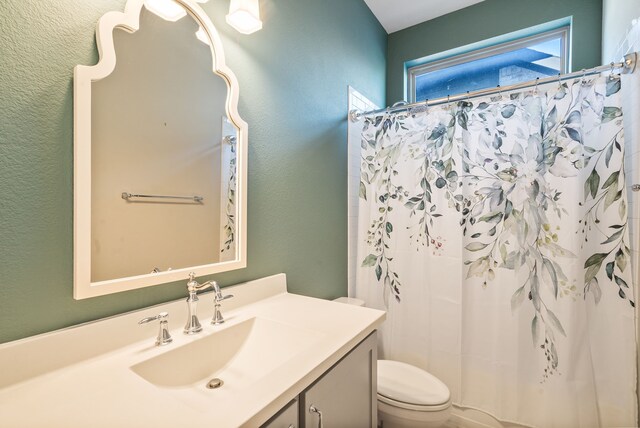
193,324
164,337
217,298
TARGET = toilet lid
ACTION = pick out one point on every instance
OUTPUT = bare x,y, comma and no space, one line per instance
409,384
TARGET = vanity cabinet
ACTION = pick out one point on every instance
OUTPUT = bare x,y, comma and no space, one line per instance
285,418
345,395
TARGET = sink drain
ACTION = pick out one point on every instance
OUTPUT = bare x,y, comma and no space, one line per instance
214,383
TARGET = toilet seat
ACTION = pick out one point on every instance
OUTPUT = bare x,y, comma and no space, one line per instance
408,387
415,407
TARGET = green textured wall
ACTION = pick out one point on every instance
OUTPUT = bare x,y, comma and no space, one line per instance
488,19
293,77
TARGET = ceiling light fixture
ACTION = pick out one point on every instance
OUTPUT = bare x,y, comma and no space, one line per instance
168,10
244,16
203,36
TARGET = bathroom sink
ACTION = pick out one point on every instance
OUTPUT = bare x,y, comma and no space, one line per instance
272,346
238,354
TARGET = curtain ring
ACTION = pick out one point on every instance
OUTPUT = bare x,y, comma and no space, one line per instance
584,76
613,67
559,81
468,99
535,91
499,91
448,100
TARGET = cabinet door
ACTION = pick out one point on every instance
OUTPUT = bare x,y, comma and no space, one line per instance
346,394
285,418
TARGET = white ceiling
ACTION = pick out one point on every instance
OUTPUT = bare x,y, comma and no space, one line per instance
396,15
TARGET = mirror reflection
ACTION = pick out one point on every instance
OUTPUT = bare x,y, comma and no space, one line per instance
163,155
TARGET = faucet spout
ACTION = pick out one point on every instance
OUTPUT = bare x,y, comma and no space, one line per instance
193,325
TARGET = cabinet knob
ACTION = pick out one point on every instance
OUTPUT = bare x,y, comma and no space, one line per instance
314,409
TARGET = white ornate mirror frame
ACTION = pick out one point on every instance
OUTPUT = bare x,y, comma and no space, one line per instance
83,77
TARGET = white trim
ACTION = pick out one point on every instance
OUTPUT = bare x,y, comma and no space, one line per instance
83,77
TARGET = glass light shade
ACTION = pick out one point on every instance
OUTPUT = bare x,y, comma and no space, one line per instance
244,16
202,36
166,9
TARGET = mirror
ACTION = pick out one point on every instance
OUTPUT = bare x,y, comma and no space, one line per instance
160,152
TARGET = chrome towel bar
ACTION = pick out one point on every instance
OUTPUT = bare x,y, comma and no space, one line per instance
129,196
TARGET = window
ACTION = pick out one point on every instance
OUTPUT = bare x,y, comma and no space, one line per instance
542,55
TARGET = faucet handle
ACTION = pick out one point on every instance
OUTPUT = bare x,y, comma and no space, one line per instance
217,293
221,298
160,316
217,298
164,337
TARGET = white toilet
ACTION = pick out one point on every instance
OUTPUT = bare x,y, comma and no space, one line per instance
408,397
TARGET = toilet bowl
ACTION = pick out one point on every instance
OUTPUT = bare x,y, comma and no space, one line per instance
409,397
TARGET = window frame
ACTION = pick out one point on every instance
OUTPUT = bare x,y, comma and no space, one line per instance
564,33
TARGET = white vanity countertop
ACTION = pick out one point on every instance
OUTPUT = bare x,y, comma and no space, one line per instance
82,376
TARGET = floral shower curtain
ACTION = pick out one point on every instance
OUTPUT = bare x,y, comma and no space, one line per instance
228,197
495,234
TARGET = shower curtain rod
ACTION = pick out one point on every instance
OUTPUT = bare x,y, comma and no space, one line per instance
627,65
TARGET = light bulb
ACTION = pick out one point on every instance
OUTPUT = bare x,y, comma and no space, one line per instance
166,9
244,16
202,36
